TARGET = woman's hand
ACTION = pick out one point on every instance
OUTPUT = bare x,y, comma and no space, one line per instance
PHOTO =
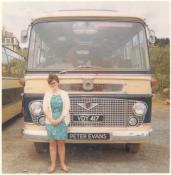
55,122
52,121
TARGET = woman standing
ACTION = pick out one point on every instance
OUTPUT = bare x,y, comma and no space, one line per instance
56,106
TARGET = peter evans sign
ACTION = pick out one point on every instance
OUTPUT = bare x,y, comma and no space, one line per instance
89,136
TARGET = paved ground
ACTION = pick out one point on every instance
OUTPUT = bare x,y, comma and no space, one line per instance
19,156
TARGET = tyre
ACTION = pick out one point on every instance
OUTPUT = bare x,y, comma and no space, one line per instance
132,147
41,147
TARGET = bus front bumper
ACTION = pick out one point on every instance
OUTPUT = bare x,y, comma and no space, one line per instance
139,134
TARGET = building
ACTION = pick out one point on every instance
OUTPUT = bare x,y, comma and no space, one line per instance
9,40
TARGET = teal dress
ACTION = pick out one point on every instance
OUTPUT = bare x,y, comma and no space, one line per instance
59,131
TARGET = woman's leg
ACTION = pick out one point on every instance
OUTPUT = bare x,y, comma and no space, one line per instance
52,149
61,151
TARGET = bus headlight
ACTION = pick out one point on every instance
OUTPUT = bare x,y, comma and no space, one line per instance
139,108
36,108
42,120
133,121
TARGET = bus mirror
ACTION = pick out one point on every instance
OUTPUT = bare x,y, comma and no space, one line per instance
24,36
152,37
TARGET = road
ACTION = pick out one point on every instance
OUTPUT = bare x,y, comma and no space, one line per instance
19,156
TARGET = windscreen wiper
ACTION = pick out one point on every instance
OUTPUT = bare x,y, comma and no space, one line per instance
79,67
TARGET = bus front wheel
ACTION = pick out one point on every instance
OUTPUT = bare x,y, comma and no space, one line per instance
132,147
41,147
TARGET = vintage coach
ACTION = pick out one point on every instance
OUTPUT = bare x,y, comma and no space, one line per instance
103,62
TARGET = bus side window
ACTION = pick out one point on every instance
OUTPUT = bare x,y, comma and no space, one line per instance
22,66
15,65
5,64
143,52
137,56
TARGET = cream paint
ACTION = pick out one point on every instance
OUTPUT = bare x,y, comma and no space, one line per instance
8,83
140,134
132,84
10,110
143,127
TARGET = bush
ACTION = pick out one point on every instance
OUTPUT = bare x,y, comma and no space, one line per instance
160,63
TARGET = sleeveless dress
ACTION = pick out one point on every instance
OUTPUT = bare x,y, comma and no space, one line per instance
59,131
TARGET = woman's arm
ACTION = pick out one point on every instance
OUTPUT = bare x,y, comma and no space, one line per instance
46,107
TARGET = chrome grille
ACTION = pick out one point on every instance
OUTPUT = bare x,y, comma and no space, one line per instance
116,112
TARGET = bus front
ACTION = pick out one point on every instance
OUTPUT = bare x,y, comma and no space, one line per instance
103,64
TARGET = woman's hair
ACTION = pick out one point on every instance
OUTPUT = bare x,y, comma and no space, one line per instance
52,77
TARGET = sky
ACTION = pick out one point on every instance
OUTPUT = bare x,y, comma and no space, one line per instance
16,16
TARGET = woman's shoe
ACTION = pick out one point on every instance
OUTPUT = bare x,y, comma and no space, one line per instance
65,168
50,169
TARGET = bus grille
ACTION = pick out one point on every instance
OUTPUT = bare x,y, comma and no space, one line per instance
116,112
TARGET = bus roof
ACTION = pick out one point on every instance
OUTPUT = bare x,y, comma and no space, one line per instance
87,14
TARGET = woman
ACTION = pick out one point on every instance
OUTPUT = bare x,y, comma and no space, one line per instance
56,106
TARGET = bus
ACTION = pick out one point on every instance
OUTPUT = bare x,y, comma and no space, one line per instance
13,67
103,63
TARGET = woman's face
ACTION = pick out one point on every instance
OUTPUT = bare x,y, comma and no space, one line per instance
54,85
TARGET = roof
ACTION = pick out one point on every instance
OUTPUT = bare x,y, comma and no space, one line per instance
87,14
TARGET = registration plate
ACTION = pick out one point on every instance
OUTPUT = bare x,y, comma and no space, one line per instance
88,118
89,136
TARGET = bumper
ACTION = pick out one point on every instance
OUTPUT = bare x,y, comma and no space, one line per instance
139,134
